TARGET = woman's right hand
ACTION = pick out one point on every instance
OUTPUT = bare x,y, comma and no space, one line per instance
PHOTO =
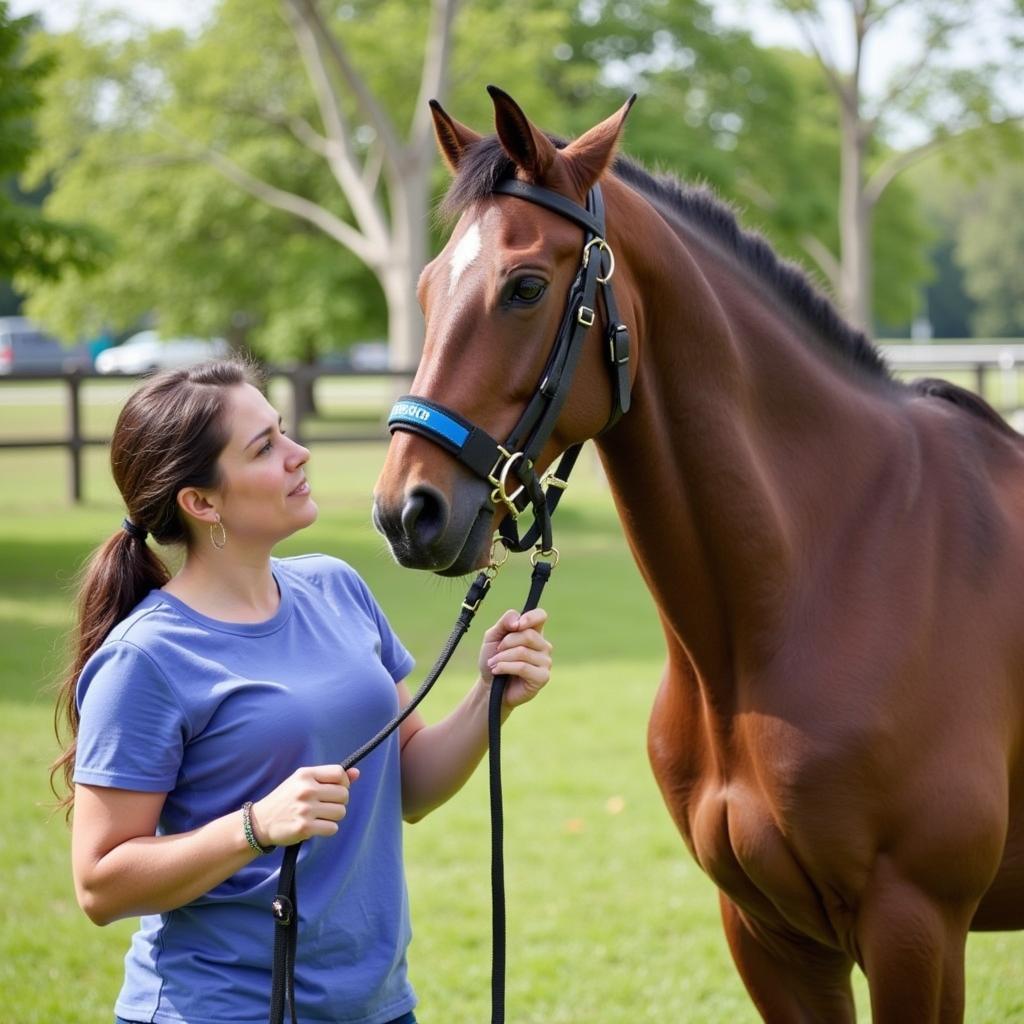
308,803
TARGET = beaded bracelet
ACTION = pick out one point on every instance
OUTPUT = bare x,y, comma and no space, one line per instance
250,835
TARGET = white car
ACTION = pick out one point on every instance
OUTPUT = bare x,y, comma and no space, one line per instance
146,351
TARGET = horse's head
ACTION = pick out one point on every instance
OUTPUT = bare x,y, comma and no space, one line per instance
493,300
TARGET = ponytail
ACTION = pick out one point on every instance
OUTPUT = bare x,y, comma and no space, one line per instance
119,575
169,435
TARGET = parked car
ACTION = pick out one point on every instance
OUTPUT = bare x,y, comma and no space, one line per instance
368,355
25,347
147,351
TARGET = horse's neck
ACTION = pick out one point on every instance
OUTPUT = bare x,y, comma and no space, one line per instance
741,441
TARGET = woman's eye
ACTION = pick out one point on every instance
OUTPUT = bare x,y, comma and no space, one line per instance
527,290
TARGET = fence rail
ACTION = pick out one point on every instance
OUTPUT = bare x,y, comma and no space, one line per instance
980,360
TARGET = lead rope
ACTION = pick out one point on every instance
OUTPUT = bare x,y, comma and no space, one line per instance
285,907
541,575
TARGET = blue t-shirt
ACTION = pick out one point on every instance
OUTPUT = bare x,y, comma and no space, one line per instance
216,713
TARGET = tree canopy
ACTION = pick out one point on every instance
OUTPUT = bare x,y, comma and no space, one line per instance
219,168
28,241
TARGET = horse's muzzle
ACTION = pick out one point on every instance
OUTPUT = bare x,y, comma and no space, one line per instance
425,531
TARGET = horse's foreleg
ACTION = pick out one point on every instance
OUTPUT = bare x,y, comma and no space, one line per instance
791,980
912,951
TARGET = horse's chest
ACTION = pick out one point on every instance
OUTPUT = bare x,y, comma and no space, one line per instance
737,842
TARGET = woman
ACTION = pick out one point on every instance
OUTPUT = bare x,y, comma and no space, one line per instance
209,710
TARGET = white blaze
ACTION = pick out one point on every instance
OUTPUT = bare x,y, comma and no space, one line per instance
465,252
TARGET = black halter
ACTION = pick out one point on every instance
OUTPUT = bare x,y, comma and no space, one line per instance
498,463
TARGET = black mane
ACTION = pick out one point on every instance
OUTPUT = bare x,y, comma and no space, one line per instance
485,164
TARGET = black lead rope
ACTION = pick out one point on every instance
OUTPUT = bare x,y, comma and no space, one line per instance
285,905
541,575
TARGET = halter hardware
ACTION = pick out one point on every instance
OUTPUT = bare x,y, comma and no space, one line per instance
602,246
500,481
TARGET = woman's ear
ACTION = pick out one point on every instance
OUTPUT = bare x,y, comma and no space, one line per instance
196,504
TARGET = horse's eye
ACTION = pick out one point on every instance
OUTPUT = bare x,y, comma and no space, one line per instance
527,290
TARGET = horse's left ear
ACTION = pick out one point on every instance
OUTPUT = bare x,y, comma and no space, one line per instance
530,149
587,157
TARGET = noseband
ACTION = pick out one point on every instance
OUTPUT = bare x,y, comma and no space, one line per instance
498,463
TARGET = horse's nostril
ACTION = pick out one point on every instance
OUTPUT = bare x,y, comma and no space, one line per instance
424,515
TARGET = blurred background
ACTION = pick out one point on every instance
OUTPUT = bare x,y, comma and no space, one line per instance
263,171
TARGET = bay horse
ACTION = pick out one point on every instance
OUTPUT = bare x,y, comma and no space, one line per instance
836,557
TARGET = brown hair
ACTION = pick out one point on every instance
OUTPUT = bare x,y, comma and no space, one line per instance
169,435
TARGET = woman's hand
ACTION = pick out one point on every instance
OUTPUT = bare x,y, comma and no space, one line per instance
310,802
514,647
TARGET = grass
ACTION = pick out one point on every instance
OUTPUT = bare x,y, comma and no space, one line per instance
610,920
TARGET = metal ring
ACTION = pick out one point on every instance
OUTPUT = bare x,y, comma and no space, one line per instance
604,247
538,554
494,563
503,478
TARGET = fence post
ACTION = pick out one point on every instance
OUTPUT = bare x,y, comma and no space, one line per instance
300,377
74,380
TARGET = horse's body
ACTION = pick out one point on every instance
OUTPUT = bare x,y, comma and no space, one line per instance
836,557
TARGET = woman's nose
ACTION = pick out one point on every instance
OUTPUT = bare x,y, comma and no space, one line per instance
299,455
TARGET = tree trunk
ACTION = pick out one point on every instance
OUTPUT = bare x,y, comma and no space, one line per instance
854,224
409,251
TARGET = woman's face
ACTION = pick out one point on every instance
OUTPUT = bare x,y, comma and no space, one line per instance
264,496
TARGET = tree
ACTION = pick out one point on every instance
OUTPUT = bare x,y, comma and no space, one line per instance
252,178
757,123
27,240
328,200
943,100
990,243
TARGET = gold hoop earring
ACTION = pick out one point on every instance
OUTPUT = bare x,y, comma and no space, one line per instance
223,534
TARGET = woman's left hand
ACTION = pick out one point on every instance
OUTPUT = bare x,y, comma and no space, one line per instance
514,647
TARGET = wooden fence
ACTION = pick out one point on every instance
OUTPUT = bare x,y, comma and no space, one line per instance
980,361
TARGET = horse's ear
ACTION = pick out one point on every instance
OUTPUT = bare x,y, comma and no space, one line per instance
452,138
530,149
587,158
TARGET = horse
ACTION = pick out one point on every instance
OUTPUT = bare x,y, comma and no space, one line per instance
835,556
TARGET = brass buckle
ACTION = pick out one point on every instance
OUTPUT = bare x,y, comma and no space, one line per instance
553,481
586,316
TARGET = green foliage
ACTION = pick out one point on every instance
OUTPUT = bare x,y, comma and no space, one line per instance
971,196
131,116
990,246
183,242
27,240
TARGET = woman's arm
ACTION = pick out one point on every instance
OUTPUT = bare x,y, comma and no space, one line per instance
437,760
122,869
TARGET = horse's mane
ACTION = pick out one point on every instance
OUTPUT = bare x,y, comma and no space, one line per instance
698,206
485,164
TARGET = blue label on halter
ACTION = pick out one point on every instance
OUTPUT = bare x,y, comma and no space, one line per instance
429,419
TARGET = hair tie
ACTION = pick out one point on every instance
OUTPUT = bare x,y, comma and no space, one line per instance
137,532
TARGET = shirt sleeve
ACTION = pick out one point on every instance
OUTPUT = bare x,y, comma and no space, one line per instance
132,728
393,654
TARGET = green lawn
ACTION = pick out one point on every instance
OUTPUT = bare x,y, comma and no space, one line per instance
609,919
